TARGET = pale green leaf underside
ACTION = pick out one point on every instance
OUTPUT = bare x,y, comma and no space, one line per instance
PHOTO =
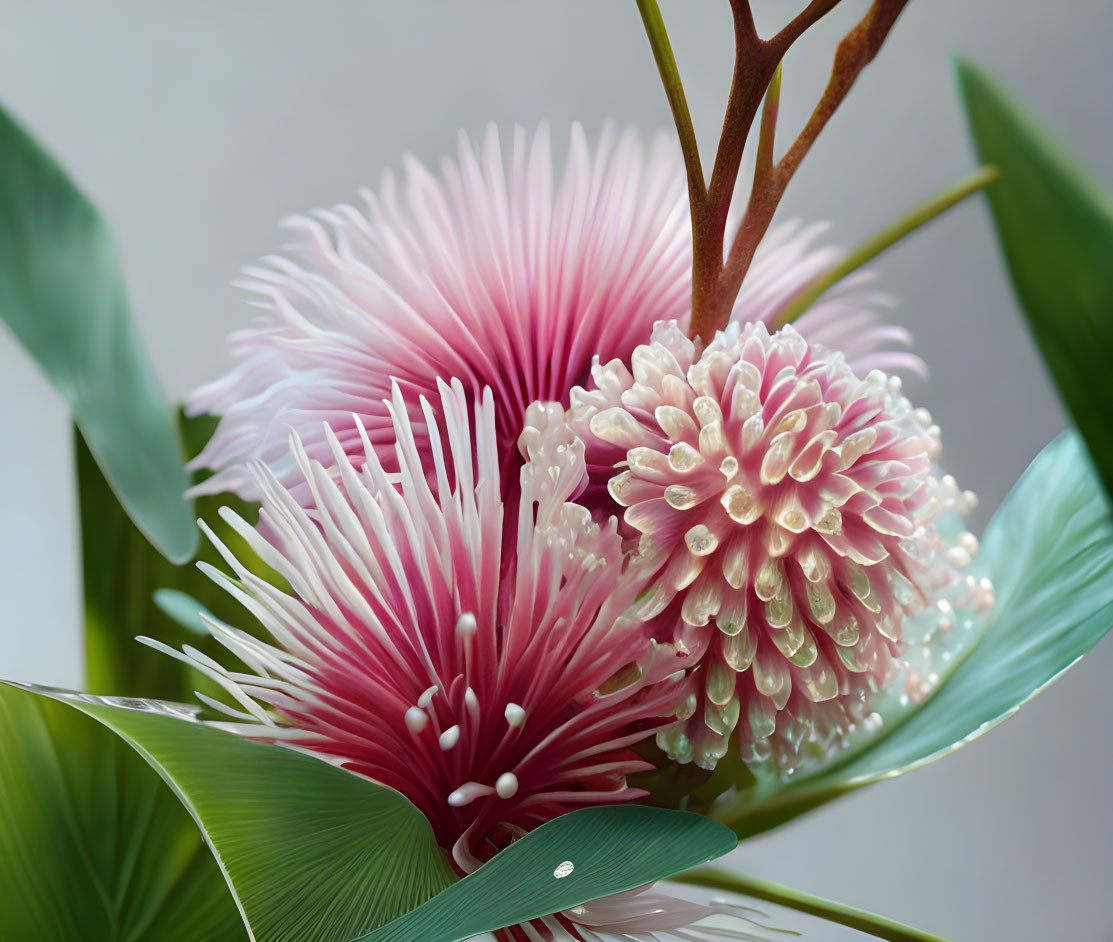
310,850
612,849
1049,553
1055,225
62,295
93,846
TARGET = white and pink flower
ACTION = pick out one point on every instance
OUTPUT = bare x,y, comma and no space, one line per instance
499,275
786,507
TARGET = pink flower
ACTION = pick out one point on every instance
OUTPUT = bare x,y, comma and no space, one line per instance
495,696
496,275
786,508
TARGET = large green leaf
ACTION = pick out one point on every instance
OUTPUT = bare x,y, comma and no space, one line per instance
1055,225
93,846
125,579
311,852
62,295
1049,553
611,849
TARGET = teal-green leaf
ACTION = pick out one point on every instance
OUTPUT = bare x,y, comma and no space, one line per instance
1049,552
611,848
62,295
1055,226
183,610
311,851
93,846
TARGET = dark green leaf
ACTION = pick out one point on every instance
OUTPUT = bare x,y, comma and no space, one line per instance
93,846
1055,225
1049,553
611,848
62,295
312,852
122,574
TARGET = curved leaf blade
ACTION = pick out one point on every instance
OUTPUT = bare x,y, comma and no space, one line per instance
1049,553
612,848
309,850
93,846
1055,226
62,295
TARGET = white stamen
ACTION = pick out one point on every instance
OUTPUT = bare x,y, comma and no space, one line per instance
968,542
507,785
515,715
466,626
416,719
450,737
958,557
468,792
426,697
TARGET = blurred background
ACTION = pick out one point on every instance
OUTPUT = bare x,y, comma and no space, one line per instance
197,127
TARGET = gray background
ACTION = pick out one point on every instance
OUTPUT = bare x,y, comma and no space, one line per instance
196,127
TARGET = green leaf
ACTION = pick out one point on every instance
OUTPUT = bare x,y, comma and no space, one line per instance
62,295
611,848
1055,227
1049,552
310,850
93,846
122,576
840,914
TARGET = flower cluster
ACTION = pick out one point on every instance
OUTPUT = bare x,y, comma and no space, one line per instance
528,524
785,506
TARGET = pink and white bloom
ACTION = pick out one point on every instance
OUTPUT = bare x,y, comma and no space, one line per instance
495,694
498,274
786,508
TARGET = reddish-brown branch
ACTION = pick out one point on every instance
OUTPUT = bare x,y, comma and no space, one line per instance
755,62
854,53
715,285
812,14
751,76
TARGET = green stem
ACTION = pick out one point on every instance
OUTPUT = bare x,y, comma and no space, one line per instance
877,926
917,216
674,90
768,130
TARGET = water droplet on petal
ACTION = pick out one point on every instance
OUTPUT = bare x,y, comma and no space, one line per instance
680,497
770,578
701,540
738,650
737,502
683,457
821,602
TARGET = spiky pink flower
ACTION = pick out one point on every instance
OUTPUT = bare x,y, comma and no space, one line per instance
787,507
496,697
500,276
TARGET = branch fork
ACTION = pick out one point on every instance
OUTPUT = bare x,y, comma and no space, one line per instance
756,78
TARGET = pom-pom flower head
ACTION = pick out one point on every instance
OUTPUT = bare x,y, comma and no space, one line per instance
786,507
495,697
